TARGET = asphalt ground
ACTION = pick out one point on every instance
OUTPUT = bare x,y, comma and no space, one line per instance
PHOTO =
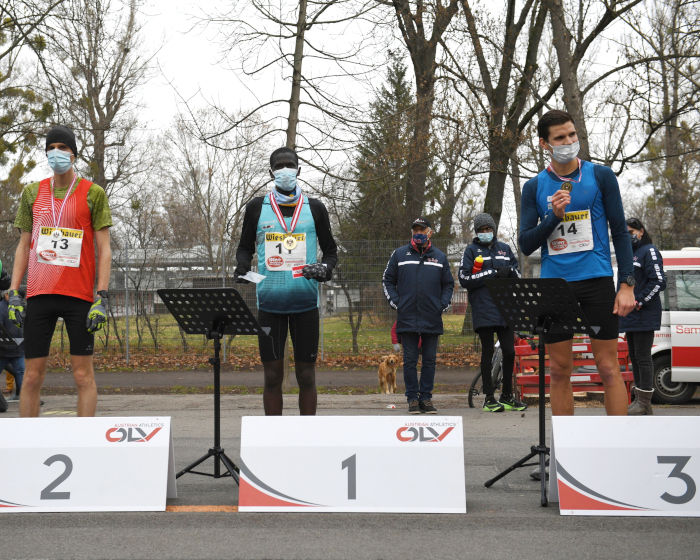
251,379
503,521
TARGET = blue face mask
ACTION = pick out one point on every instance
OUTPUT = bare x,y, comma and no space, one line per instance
420,238
59,161
286,179
485,237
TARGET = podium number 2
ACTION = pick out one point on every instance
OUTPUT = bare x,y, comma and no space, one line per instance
677,472
48,493
351,464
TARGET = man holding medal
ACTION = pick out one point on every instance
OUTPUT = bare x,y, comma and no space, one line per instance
61,220
565,211
283,227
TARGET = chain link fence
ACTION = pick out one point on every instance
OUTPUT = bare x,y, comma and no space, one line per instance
356,318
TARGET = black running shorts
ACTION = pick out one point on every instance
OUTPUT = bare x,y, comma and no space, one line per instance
42,313
597,300
303,328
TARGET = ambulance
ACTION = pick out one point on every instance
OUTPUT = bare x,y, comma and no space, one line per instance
676,350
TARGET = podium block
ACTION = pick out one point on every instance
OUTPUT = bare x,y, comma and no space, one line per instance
352,464
631,466
86,464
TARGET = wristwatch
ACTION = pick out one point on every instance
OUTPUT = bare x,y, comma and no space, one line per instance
630,281
104,294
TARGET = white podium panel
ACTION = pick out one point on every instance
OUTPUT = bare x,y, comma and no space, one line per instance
352,464
620,465
85,464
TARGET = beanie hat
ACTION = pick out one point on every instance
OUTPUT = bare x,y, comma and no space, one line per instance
482,220
63,135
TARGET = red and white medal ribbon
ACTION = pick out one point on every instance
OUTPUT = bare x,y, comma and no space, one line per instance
280,218
567,179
65,200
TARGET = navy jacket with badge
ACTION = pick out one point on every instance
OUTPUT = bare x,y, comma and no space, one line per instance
419,286
651,281
496,255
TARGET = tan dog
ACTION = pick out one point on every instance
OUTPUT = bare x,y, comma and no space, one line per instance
387,373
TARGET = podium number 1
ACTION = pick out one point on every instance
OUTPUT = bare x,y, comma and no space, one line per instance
48,493
677,472
351,464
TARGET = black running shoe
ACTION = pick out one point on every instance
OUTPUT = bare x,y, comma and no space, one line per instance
413,407
427,407
492,405
509,403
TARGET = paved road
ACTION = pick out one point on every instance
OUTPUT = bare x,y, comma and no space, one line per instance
503,521
204,377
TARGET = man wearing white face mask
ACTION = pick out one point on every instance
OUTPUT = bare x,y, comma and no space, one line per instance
283,227
62,219
565,211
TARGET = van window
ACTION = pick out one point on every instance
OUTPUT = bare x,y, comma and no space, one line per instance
684,290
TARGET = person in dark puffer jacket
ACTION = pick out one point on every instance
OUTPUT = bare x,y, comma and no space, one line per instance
418,283
498,262
640,325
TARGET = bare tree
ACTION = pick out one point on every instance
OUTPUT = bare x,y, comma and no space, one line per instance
207,187
100,47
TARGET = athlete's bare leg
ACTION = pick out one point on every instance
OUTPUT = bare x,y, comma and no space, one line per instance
30,396
605,354
272,393
306,378
561,364
84,376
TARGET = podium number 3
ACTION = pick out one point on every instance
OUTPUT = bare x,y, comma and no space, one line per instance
351,464
680,462
48,493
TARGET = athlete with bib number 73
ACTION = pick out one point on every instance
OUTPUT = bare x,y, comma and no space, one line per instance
565,211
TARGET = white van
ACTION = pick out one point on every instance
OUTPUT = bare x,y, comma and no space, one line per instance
676,350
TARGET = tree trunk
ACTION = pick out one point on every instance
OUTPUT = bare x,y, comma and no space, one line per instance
498,160
295,98
568,70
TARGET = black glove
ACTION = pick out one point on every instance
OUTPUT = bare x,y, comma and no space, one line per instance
241,270
513,273
316,271
503,272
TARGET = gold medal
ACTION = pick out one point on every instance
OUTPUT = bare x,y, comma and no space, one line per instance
567,186
290,242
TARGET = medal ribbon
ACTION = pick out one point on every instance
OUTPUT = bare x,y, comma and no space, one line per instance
278,212
53,207
567,179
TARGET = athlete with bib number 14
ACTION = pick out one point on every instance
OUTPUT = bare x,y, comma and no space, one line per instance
565,211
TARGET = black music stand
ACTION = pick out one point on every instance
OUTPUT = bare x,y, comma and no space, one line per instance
212,312
539,306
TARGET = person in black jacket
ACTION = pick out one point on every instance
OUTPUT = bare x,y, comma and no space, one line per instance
646,316
418,284
493,259
12,355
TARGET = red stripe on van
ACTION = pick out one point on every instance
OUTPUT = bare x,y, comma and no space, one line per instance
685,356
682,262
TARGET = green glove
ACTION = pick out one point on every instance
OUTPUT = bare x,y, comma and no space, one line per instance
16,310
97,316
5,278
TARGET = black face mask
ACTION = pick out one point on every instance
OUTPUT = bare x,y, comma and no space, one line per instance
634,240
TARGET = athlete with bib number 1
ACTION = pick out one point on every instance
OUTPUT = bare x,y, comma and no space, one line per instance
283,227
62,219
565,211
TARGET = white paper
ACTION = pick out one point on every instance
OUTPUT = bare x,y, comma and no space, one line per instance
253,277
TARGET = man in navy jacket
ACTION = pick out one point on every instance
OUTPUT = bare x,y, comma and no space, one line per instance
419,285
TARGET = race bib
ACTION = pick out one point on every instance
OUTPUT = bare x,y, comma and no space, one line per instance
281,255
573,234
59,246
